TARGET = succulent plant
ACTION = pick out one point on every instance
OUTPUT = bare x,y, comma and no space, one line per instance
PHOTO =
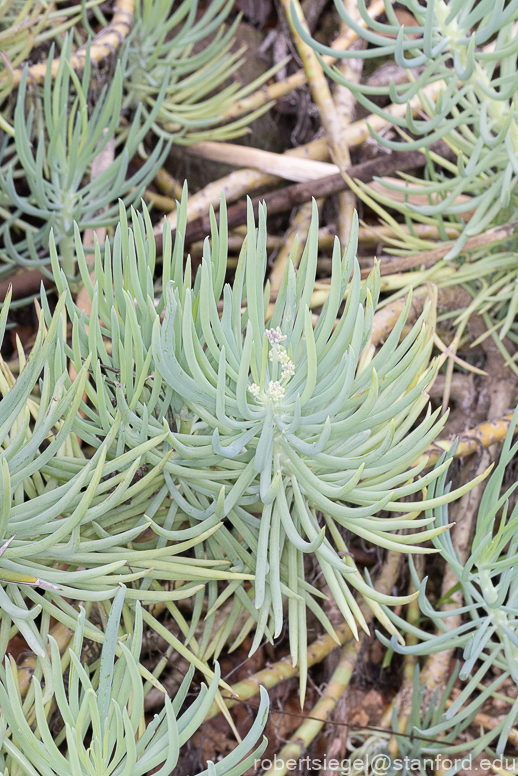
460,65
197,96
417,751
99,710
488,633
73,528
467,51
158,84
56,143
279,428
26,25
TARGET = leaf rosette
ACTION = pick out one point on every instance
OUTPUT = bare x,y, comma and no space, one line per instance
288,430
101,714
307,434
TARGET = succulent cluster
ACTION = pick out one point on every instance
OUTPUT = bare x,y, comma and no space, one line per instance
461,63
158,85
265,434
196,455
460,73
198,92
437,728
190,446
488,634
418,751
67,139
209,447
101,711
73,529
26,25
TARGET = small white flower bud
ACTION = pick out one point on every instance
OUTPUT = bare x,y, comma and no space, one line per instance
275,390
274,336
282,355
288,369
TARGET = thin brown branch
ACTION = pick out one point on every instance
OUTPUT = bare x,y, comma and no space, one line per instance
427,258
104,44
291,196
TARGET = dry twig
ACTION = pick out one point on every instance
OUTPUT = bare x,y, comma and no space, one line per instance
104,44
285,199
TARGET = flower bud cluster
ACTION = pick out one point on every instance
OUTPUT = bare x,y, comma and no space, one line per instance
275,390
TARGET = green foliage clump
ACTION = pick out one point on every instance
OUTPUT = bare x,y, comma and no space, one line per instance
55,144
101,718
460,59
60,507
489,635
216,453
472,108
26,25
417,750
196,99
158,85
275,428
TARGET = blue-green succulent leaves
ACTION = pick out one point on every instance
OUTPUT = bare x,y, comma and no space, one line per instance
308,440
489,585
102,715
461,63
269,434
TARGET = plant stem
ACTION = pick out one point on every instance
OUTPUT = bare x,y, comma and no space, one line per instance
485,434
281,88
345,104
283,669
167,184
332,121
105,44
426,258
320,713
292,196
